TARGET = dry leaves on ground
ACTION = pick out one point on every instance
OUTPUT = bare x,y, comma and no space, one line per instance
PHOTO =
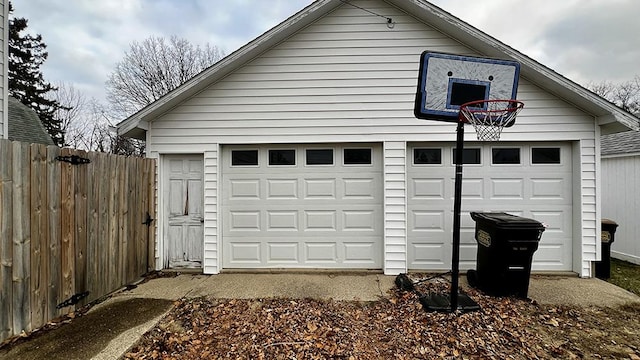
396,327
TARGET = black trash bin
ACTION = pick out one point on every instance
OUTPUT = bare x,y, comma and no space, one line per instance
603,267
506,244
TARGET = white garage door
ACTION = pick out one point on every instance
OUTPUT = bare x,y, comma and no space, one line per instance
302,206
530,180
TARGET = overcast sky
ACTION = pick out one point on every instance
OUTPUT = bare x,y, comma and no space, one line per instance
584,40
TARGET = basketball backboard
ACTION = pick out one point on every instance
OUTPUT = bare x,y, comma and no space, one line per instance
446,81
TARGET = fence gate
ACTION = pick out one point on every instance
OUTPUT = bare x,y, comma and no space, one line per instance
74,226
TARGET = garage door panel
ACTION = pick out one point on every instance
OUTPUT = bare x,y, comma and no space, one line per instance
428,221
320,220
428,255
472,188
539,191
302,216
283,220
280,189
506,189
548,256
245,252
244,221
358,188
319,189
548,189
243,189
431,189
283,252
321,252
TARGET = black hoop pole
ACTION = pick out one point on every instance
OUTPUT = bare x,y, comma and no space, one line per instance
457,206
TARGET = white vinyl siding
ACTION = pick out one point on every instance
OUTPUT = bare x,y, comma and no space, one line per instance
347,77
621,203
395,208
589,223
211,242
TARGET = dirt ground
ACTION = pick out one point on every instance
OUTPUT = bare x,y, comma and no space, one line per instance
86,334
395,327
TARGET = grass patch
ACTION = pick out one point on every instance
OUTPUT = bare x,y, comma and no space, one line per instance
625,275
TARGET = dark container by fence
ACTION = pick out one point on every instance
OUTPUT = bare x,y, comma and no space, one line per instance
506,244
603,267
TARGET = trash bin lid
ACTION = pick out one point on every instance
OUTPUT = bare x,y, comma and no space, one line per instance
504,220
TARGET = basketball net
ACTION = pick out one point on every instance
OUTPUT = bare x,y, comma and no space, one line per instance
490,117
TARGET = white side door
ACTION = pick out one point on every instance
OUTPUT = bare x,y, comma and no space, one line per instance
183,210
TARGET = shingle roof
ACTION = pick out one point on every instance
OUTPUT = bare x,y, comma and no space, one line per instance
620,143
24,124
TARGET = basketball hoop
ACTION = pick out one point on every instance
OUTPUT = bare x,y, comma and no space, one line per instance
489,117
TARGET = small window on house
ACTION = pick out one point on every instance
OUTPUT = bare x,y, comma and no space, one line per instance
357,156
319,156
501,156
244,157
282,157
469,156
545,155
427,156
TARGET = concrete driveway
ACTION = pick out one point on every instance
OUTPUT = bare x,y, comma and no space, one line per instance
110,328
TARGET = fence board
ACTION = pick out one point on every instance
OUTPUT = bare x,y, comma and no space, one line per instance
55,231
6,240
123,208
103,227
21,240
80,208
67,215
93,206
112,271
69,228
39,261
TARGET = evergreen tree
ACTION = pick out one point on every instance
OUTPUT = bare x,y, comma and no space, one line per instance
26,54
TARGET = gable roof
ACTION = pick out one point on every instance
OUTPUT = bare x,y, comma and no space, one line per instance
25,125
610,117
627,142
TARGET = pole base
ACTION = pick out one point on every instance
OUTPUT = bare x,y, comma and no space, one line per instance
442,303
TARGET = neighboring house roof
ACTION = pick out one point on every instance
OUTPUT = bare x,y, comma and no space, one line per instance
627,142
24,124
610,117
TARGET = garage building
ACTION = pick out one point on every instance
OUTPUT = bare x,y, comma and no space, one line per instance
300,150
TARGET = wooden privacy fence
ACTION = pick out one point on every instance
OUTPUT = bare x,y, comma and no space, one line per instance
68,229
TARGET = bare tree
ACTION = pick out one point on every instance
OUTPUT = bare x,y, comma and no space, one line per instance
71,113
626,95
152,68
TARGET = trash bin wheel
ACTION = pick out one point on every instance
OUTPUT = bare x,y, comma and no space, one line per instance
472,278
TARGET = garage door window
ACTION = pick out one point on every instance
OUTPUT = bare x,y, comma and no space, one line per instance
545,155
427,156
319,156
244,157
357,156
505,156
282,157
469,156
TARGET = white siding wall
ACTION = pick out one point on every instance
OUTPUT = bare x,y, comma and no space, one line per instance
587,222
621,203
349,78
395,208
211,244
4,86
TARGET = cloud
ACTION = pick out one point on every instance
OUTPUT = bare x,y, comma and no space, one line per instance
585,40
